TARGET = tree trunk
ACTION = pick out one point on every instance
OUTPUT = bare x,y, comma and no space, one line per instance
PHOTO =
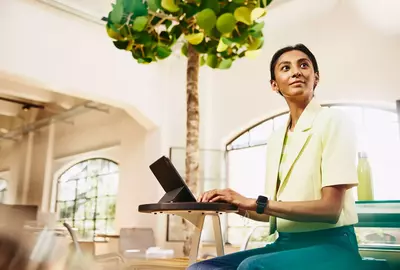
192,134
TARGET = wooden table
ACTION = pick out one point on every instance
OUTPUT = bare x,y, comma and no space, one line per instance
195,213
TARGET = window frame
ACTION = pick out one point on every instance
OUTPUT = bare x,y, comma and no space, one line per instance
94,199
3,192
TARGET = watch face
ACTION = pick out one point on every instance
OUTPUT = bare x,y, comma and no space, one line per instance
262,199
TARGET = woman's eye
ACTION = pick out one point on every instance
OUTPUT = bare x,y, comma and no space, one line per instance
304,65
285,68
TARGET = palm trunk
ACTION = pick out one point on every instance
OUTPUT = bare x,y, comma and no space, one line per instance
192,134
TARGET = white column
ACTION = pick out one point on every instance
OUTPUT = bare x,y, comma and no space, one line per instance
27,168
48,171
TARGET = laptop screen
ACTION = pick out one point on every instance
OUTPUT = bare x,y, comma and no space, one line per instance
171,181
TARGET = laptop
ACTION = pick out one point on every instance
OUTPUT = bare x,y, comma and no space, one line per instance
173,184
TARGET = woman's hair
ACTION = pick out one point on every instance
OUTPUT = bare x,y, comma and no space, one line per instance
298,47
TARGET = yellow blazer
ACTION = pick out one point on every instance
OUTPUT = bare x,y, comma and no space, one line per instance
322,153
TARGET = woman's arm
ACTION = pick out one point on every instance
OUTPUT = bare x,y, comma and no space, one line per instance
327,209
253,215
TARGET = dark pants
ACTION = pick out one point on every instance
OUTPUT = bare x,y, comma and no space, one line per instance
320,250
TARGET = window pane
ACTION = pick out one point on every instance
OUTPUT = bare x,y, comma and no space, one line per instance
382,145
3,184
66,190
87,196
280,121
260,133
247,170
242,141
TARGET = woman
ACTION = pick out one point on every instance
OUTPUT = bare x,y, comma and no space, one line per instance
311,166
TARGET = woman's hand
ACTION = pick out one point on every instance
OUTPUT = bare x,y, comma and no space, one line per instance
230,196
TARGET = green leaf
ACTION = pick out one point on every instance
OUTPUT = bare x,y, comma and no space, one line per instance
258,13
140,23
225,64
145,60
144,39
212,4
201,48
257,34
154,5
195,39
170,5
226,23
117,12
176,31
202,60
243,14
227,41
222,46
124,31
184,49
240,2
163,52
121,44
257,27
190,10
168,23
212,61
128,6
206,19
139,9
255,44
114,34
231,7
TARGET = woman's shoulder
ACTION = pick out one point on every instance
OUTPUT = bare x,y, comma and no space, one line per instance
334,117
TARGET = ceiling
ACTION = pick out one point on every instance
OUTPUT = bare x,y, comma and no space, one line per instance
26,102
378,14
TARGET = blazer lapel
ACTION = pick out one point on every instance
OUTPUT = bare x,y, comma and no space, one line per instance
299,138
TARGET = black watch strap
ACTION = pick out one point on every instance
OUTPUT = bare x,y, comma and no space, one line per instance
261,203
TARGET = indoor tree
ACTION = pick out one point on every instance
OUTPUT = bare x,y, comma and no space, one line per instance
211,32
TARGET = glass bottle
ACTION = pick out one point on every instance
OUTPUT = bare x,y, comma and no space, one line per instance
365,188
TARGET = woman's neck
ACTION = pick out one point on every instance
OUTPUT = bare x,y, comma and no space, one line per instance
296,108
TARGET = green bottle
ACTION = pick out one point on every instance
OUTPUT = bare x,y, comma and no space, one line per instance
365,188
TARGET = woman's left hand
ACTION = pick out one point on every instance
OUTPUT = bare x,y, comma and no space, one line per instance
230,196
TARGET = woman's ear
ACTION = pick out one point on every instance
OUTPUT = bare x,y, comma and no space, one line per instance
316,79
274,86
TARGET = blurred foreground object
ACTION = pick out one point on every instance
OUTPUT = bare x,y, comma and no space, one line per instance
26,244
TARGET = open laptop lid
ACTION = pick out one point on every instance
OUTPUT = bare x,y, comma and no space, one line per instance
171,181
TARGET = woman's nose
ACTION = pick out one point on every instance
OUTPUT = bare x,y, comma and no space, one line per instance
296,73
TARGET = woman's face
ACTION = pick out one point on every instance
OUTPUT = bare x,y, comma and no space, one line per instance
294,75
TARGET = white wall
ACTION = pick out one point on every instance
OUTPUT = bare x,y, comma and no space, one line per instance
357,64
70,55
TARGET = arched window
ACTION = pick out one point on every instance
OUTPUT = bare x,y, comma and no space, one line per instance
86,197
3,190
378,136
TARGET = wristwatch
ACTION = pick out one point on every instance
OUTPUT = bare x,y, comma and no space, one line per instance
262,203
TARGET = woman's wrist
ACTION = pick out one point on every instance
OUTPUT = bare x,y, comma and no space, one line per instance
248,205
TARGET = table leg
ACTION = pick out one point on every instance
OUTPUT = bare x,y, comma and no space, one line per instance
198,221
219,243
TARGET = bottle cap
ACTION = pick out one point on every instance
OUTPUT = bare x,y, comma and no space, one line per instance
362,154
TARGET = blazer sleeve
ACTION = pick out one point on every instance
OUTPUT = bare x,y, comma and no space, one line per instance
339,151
